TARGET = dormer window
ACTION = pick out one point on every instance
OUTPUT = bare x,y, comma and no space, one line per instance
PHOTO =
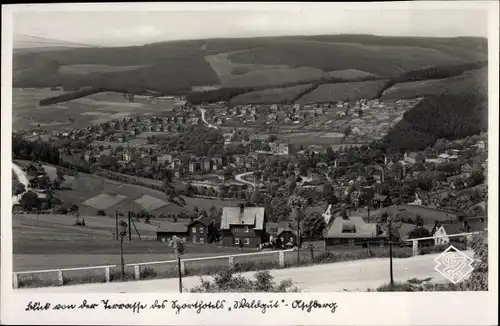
247,229
348,228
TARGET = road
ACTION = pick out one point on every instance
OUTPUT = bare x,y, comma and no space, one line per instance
203,118
357,275
22,178
240,177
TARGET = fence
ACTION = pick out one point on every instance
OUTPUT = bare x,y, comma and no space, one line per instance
60,275
444,237
137,266
230,258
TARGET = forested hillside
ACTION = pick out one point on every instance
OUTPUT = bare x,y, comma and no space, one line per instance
435,117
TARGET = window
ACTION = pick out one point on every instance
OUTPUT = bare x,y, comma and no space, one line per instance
201,230
291,239
202,240
246,229
247,241
193,230
236,241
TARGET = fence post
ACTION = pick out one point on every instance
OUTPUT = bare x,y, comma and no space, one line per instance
60,278
183,267
15,279
231,261
137,272
107,273
282,259
415,247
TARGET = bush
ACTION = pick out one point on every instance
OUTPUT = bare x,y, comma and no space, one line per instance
148,273
227,281
101,213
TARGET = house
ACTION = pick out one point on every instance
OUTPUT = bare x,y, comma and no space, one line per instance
166,230
381,201
352,231
282,232
203,230
165,158
480,144
34,170
243,226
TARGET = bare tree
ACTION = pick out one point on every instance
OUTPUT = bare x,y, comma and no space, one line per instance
179,245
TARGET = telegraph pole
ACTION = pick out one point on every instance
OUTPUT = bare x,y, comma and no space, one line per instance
129,227
390,253
298,236
116,220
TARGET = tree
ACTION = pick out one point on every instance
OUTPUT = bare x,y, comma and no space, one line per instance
256,198
419,221
123,233
29,200
101,212
298,204
179,246
278,209
292,186
18,188
313,226
272,138
419,232
478,280
60,176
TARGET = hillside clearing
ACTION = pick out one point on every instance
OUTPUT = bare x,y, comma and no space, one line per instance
332,93
271,96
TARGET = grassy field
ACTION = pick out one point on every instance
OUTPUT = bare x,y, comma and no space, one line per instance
93,109
330,93
271,96
275,77
350,74
89,69
469,81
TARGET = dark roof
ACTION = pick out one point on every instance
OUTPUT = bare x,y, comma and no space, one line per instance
204,220
379,197
172,227
273,227
454,228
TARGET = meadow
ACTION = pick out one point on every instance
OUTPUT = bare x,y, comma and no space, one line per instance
271,95
93,109
331,93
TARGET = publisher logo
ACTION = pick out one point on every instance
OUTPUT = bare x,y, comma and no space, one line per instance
454,264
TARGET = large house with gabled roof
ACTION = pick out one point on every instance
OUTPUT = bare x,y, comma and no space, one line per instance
243,226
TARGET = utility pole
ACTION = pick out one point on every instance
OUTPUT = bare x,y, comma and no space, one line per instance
116,220
298,236
390,253
129,227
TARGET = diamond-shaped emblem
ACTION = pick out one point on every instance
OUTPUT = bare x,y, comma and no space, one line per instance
454,264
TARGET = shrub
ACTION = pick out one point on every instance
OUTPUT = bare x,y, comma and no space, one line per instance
148,273
101,213
227,281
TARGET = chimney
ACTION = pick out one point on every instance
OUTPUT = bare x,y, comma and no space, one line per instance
242,208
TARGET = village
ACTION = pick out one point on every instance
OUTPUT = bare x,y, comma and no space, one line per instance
344,185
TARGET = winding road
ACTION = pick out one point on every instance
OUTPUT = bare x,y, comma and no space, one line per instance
22,178
357,275
203,118
240,177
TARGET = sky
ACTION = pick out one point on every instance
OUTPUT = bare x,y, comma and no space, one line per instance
108,28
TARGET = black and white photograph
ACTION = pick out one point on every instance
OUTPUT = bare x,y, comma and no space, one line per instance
263,150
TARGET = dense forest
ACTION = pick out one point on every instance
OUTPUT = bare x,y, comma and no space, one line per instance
435,117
